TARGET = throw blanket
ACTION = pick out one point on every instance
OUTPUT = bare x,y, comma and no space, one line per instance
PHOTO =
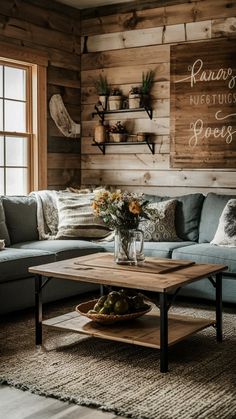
47,214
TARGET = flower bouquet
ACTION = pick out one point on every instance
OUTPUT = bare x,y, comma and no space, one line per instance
122,212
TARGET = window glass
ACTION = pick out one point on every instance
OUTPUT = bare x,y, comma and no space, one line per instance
1,115
16,151
15,83
1,151
2,181
1,81
15,116
16,181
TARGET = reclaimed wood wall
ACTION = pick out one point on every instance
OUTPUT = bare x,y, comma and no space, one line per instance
122,42
42,25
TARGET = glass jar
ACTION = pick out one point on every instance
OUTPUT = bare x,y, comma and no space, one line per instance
129,247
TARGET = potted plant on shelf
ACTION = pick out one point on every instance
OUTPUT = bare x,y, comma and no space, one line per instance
134,97
117,133
115,100
147,82
103,90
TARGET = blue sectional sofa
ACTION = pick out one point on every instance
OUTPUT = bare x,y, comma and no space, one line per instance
196,221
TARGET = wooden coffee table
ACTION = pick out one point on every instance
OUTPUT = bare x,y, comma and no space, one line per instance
162,277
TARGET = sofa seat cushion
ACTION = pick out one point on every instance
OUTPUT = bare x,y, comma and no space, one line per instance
208,253
14,263
63,249
155,249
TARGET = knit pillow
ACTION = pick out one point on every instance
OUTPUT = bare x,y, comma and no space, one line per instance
161,225
76,217
226,231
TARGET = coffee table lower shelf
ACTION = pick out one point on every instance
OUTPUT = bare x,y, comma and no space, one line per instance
144,331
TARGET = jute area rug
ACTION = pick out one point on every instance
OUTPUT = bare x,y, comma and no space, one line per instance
120,378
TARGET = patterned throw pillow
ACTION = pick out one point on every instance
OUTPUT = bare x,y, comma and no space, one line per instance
161,225
226,231
76,217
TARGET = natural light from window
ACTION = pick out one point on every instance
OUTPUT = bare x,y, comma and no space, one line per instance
15,128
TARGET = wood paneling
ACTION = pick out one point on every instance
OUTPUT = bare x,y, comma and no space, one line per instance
119,19
123,43
49,31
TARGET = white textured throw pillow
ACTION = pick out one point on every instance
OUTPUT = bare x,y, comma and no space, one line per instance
2,244
161,225
76,217
226,230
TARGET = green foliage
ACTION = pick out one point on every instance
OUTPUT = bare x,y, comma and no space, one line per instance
135,90
102,85
147,82
118,128
116,92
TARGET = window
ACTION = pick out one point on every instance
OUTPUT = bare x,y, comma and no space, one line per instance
16,134
28,96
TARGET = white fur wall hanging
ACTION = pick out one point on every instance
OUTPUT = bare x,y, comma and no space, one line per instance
62,119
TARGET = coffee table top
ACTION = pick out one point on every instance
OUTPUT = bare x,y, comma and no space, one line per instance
160,275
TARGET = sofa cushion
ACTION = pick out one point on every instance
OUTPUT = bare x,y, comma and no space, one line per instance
187,214
161,224
226,231
155,249
77,219
63,249
208,253
211,212
15,262
21,218
3,227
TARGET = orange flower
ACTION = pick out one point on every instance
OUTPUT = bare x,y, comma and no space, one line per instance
135,207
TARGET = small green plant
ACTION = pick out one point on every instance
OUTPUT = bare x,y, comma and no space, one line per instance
118,128
147,82
116,92
102,85
135,90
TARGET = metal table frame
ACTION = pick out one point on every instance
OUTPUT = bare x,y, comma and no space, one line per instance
163,302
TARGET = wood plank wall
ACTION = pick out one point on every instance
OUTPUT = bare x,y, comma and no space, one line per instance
123,42
51,27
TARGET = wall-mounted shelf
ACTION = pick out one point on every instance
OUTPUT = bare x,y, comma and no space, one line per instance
102,146
102,114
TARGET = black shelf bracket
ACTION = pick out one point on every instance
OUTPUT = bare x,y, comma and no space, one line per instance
102,146
102,114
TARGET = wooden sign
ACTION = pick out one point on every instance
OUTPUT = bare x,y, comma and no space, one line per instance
203,104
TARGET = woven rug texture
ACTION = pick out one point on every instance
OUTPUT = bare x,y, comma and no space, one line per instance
122,378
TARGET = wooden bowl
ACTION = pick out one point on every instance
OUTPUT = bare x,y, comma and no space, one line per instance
83,309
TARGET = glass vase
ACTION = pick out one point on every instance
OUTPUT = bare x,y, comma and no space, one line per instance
125,247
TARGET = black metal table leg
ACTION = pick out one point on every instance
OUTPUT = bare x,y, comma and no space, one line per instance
219,307
38,310
163,332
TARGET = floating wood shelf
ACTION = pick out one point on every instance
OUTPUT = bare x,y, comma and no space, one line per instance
147,109
102,146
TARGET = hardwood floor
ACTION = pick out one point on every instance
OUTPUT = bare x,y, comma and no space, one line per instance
18,404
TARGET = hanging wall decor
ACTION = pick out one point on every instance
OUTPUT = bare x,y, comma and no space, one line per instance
61,117
203,105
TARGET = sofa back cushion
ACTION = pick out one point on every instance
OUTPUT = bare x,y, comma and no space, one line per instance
3,227
211,212
187,214
21,218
